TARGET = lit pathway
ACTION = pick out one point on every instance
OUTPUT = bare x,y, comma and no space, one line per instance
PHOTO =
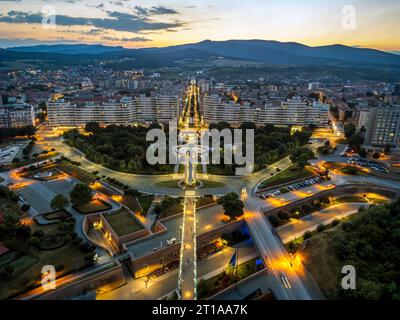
296,228
187,268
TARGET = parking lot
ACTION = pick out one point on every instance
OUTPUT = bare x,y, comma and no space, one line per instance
292,187
365,163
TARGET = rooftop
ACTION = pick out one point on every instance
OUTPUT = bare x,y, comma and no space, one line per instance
208,219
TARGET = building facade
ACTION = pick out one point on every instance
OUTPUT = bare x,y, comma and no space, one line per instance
290,112
16,115
127,111
381,125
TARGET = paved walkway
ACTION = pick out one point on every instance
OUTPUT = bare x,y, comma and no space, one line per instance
137,289
296,228
187,272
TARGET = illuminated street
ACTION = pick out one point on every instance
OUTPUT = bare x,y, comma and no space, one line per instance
188,263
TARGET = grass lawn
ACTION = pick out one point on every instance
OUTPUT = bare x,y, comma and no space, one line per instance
6,258
334,165
57,215
324,267
29,265
343,168
378,201
145,201
286,176
132,203
212,184
173,184
76,172
93,207
28,162
123,222
205,201
223,280
351,199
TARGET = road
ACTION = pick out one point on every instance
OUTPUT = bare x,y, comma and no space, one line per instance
296,228
268,243
136,289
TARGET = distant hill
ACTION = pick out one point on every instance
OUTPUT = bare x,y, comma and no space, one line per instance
275,52
270,52
70,49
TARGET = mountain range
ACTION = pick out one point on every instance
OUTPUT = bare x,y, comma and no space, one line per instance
262,51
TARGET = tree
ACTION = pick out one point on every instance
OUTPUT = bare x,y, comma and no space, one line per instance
301,156
363,153
92,127
59,202
25,207
302,137
80,194
349,130
248,125
387,149
122,164
232,205
355,142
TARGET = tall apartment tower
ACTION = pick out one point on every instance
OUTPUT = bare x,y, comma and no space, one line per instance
381,124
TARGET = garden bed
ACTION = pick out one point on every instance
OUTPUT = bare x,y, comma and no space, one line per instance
209,287
286,176
123,222
76,172
53,241
57,215
132,203
94,206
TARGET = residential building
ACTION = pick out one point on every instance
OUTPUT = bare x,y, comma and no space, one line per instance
16,115
290,112
126,111
381,124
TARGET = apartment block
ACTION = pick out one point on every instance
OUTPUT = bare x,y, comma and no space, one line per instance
381,124
126,111
290,112
16,115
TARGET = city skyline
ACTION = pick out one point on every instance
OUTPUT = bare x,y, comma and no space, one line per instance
163,23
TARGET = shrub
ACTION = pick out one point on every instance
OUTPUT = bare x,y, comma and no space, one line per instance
275,221
34,241
59,267
14,197
67,238
89,257
307,235
320,228
63,226
73,234
9,269
78,241
25,207
38,234
283,216
335,222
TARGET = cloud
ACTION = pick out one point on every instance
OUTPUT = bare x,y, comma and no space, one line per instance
133,39
154,11
117,21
